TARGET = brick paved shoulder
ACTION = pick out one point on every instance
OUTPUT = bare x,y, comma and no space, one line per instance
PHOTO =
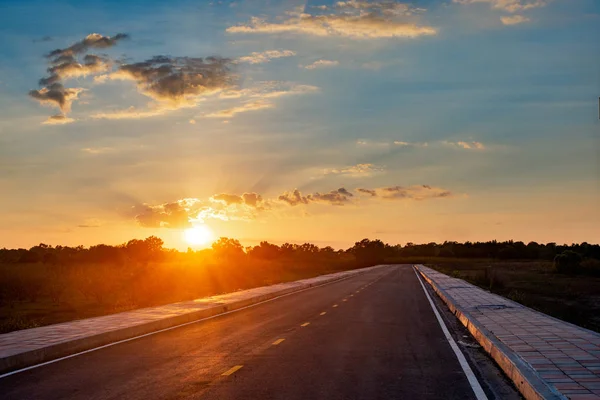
565,356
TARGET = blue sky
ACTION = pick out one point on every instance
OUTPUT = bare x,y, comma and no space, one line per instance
462,120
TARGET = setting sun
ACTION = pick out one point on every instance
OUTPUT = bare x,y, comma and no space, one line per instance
198,235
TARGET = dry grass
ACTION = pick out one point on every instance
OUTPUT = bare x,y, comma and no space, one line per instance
535,284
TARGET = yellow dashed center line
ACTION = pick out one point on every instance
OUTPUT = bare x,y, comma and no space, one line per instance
323,313
335,305
275,343
344,299
232,370
305,324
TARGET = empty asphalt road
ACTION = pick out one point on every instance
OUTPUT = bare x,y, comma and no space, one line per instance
373,336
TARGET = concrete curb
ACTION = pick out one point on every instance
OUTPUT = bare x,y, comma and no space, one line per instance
524,377
69,347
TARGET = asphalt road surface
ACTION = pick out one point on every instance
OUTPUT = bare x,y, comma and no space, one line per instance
373,336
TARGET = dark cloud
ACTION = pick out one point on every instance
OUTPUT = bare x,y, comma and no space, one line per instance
337,197
57,95
417,192
177,79
293,198
43,39
367,191
68,67
64,64
93,40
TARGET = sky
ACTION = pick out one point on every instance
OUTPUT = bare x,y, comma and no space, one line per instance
299,121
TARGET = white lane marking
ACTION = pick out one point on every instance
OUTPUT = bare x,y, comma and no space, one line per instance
166,329
479,393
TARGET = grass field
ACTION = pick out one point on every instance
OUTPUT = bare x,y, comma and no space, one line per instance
35,294
535,284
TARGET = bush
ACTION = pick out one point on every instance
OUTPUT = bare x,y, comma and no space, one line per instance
590,266
567,262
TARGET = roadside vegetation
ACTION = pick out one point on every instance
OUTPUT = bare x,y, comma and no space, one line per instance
51,284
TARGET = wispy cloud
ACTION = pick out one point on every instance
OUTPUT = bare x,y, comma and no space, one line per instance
97,150
321,64
134,113
511,6
259,97
410,144
266,56
358,170
249,106
58,120
514,19
351,19
466,145
415,192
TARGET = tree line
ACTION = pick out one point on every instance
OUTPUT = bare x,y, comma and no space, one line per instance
141,252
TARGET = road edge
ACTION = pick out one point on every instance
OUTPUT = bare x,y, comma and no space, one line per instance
528,382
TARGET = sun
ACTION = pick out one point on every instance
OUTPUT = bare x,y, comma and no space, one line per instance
198,235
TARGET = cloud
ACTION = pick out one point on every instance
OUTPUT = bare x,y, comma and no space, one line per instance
56,95
250,106
64,64
293,198
177,214
227,206
266,56
65,67
351,19
43,39
357,170
183,213
58,120
227,198
370,192
337,197
416,192
260,97
410,144
272,89
253,200
97,150
322,64
511,6
178,81
93,40
389,7
514,20
133,113
466,145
